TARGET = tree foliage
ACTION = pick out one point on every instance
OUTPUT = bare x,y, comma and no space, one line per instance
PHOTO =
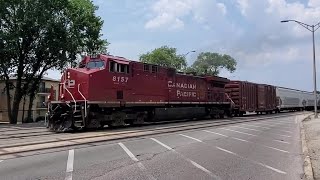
209,63
38,35
165,56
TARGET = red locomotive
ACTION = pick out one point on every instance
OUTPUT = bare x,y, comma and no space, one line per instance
113,91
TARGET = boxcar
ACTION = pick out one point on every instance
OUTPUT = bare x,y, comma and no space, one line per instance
251,97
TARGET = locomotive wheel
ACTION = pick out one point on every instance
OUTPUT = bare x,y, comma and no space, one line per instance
140,119
221,115
229,114
101,126
117,119
66,126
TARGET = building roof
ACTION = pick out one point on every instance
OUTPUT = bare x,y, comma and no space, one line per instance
50,79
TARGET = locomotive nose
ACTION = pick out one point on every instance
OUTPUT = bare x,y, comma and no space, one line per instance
73,84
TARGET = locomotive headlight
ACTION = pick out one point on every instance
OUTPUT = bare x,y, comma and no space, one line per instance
62,96
68,75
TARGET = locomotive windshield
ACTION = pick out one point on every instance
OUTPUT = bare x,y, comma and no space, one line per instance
95,64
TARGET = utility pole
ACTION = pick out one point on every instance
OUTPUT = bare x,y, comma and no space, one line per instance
313,29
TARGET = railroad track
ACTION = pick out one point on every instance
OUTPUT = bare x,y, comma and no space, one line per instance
116,135
43,132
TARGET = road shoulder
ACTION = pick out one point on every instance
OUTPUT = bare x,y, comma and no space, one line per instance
310,131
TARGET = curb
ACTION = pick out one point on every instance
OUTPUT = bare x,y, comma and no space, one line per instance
308,172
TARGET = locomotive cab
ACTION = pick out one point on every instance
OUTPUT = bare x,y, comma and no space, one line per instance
108,74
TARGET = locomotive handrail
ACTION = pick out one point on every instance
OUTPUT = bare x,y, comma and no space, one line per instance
85,101
229,98
75,103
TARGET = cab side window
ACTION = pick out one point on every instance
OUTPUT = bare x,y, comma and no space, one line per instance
150,68
146,67
112,66
154,69
123,68
118,67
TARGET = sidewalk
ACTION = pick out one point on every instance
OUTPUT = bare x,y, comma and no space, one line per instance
24,125
312,133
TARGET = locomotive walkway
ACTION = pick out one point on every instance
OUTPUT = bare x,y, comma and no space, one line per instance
265,149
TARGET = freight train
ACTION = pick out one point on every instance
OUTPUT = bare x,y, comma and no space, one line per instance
111,90
262,98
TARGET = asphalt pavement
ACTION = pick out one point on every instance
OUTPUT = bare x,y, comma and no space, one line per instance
266,149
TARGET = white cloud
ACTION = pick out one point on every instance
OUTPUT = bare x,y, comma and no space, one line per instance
178,24
171,14
267,41
165,19
243,6
130,49
168,14
294,10
314,3
269,56
222,7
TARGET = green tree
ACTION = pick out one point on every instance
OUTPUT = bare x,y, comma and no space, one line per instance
209,63
165,56
38,35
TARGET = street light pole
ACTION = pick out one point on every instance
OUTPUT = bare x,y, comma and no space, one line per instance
188,53
185,55
312,28
314,76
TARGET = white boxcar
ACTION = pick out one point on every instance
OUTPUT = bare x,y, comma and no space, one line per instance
292,99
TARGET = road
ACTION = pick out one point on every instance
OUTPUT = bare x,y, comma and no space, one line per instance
265,149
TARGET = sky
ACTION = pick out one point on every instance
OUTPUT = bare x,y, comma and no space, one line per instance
266,50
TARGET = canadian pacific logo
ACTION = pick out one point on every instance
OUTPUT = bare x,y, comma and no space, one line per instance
182,85
186,86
